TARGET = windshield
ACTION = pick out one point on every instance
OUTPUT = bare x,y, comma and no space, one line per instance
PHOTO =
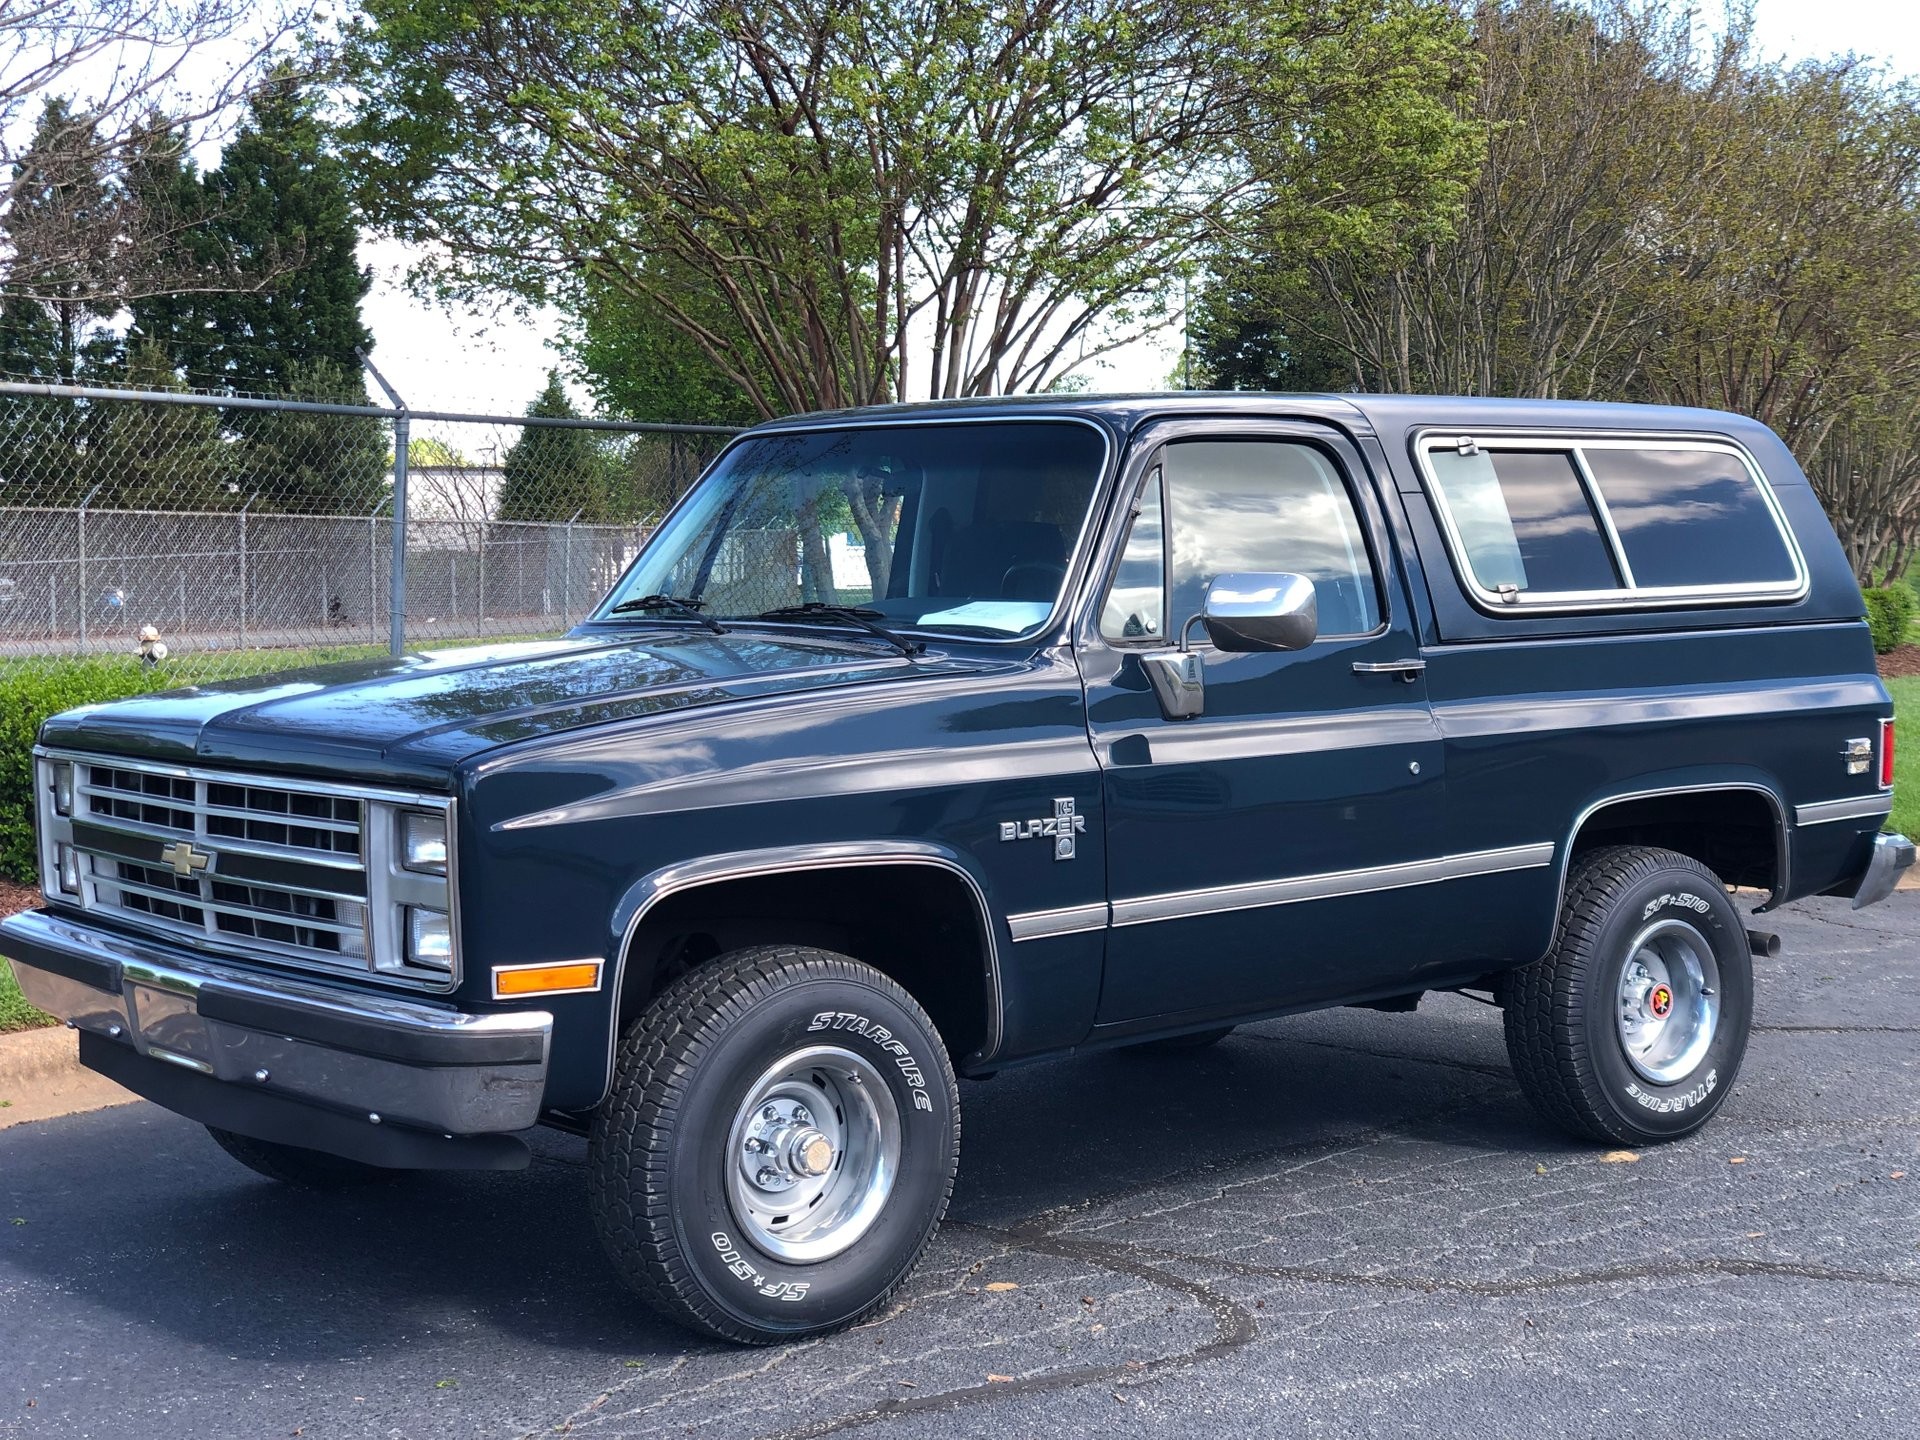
967,528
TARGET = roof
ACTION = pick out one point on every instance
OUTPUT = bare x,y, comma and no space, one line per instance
1381,414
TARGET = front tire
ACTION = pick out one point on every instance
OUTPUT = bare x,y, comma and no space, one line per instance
1632,1028
779,1145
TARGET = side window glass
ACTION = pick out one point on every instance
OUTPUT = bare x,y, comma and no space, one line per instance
1267,505
1689,517
1524,520
1133,608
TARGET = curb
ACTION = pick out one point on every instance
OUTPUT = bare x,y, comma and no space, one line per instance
41,1078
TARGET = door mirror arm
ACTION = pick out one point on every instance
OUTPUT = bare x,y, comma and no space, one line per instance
1241,613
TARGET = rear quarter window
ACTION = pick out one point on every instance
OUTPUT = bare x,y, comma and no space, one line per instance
1690,517
1572,523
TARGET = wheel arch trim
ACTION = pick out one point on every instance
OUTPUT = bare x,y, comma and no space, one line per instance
1782,835
687,875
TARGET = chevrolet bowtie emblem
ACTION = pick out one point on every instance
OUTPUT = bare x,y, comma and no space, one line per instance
184,858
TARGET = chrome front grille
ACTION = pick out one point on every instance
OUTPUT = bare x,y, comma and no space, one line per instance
236,862
304,821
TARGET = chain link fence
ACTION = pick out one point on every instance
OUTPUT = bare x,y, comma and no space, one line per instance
251,535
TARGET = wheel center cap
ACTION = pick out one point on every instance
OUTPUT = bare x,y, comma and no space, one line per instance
1660,1002
810,1153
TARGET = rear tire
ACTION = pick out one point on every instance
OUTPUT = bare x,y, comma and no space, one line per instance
779,1145
1632,1028
292,1165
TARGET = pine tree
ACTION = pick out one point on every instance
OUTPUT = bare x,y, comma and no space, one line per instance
277,227
156,456
554,472
313,464
62,228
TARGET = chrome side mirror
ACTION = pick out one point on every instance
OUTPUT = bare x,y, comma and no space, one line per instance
1260,612
1245,612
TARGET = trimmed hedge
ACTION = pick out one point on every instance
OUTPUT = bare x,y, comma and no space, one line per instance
28,695
1890,612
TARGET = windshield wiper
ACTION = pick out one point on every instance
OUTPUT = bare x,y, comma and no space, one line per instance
844,614
681,607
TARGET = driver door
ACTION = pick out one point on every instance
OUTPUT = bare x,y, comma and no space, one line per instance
1267,852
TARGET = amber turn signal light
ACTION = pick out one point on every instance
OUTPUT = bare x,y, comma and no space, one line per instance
512,981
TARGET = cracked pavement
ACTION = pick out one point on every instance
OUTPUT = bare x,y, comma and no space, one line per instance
1346,1223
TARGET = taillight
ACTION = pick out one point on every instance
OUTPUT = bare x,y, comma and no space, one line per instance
1886,754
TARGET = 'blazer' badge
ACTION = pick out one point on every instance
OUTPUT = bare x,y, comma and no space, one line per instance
1062,826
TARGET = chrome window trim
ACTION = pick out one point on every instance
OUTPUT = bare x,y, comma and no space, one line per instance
1068,920
687,875
1629,596
1783,849
1146,446
1065,600
374,849
1876,806
1334,884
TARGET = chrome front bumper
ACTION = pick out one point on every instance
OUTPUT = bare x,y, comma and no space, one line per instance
372,1060
1892,858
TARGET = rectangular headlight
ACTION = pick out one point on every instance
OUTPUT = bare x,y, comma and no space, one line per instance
62,787
68,860
423,842
429,938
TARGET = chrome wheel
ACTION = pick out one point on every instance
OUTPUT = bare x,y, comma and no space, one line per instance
1669,1001
813,1154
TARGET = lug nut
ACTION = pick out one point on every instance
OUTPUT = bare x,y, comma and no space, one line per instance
801,1116
766,1175
769,1113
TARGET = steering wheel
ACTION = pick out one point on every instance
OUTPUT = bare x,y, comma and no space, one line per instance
1044,577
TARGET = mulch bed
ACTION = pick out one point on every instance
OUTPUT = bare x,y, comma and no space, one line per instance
1904,661
15,898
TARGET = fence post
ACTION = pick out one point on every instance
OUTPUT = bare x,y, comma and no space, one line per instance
243,570
373,566
396,582
566,574
83,565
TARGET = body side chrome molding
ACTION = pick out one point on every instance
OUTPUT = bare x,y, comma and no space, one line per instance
1783,850
1220,899
1855,807
788,859
1070,920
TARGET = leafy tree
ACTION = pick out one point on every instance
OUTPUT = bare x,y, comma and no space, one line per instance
640,365
274,238
895,197
1653,220
554,471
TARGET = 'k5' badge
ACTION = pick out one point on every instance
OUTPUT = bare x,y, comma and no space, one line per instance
1061,827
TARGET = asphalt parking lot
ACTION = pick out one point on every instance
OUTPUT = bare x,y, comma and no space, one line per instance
1340,1224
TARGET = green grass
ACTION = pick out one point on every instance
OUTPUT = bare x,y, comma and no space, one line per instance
1906,755
15,1013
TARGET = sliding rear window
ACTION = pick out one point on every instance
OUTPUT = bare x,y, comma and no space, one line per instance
1537,521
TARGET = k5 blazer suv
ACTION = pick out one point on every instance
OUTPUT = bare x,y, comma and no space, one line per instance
921,742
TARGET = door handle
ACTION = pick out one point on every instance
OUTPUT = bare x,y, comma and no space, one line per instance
1405,669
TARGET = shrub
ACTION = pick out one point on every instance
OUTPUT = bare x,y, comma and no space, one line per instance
1890,612
28,695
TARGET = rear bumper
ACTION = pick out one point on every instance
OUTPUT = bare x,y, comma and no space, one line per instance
1892,858
266,1056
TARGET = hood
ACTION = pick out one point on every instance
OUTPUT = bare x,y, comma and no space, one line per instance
412,719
